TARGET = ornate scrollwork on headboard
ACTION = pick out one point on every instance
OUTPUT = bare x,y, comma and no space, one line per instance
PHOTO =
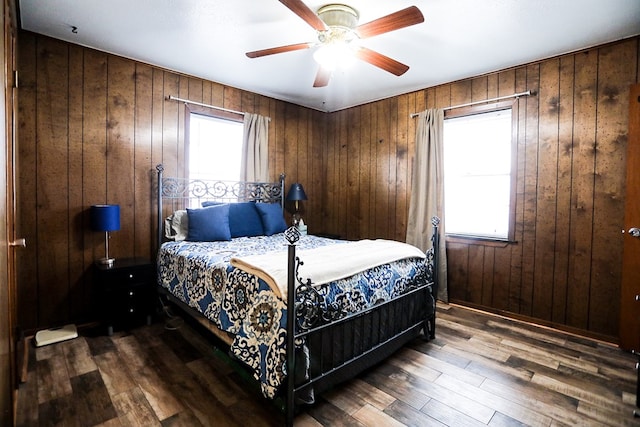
185,192
182,188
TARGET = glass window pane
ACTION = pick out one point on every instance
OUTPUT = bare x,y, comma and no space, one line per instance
215,148
475,211
477,156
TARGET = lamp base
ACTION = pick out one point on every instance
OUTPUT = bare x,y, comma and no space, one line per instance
108,262
295,218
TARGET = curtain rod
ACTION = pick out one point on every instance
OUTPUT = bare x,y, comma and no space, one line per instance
186,101
468,104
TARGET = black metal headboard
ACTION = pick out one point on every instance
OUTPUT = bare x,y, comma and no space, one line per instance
185,192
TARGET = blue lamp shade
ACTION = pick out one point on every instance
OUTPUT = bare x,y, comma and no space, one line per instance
105,217
296,193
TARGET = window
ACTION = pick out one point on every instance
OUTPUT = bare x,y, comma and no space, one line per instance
479,160
214,148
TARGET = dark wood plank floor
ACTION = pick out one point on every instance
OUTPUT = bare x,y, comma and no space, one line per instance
480,370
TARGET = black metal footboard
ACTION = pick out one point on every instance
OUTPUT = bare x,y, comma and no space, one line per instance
339,349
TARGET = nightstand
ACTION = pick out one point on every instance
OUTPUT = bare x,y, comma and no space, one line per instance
126,292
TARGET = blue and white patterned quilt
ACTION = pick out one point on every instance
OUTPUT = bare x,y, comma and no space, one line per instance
200,275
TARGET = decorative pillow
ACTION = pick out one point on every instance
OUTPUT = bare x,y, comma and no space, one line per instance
272,218
176,226
244,219
209,224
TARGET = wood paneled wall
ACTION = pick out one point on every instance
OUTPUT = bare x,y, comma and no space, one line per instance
565,268
93,126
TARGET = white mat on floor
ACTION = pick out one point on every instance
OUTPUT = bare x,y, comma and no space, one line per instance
54,335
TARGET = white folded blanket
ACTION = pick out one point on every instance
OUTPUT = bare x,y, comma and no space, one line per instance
326,263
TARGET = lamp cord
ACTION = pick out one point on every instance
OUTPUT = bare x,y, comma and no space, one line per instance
173,322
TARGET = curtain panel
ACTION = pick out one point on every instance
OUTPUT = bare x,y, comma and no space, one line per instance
427,190
255,148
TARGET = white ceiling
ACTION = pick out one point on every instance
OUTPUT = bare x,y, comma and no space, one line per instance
209,38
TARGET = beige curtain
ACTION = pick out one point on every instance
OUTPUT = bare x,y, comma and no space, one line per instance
427,190
255,148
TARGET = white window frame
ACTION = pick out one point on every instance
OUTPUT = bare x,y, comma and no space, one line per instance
475,110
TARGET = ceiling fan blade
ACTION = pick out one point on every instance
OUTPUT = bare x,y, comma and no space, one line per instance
307,15
400,19
279,49
322,77
382,61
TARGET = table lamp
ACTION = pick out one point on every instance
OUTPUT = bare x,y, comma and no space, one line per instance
105,218
296,194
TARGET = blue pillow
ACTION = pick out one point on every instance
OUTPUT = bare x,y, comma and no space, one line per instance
272,218
244,219
209,224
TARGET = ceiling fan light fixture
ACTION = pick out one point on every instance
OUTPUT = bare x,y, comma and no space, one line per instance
339,41
339,15
334,55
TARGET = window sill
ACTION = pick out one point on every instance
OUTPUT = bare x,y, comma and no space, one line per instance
485,241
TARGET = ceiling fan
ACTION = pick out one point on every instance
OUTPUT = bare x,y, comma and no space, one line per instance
339,35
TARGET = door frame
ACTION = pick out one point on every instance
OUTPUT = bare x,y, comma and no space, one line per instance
8,302
630,288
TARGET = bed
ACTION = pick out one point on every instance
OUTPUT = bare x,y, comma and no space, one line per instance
236,267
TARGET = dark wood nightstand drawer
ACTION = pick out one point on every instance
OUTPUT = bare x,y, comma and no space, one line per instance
127,292
133,302
130,276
